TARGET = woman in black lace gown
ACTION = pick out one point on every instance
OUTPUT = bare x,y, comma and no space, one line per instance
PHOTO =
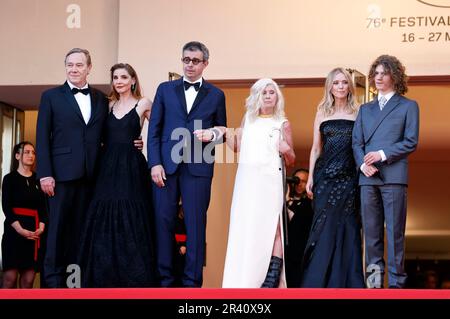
333,254
116,246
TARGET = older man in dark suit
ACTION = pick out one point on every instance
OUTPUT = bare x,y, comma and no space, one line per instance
69,129
386,131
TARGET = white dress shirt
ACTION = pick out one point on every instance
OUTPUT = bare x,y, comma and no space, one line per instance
387,96
191,93
84,102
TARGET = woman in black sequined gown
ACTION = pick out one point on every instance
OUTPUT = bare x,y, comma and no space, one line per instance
117,245
333,254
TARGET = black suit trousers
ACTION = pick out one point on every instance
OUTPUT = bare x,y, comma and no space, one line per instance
67,211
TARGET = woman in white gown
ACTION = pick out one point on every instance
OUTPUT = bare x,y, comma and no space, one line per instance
255,241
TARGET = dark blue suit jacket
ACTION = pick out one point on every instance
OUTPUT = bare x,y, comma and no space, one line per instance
171,126
66,147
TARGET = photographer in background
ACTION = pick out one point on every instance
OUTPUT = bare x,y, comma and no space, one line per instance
300,219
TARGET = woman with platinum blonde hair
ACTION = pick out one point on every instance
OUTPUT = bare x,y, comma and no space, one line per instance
255,101
255,241
333,256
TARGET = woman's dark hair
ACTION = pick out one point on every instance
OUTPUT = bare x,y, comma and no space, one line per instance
135,89
18,148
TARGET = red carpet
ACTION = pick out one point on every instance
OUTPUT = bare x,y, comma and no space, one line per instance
206,293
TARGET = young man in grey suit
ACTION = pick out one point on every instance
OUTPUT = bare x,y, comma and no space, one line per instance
386,131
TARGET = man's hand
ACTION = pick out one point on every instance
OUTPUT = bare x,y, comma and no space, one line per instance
139,143
369,170
371,158
48,186
204,135
158,175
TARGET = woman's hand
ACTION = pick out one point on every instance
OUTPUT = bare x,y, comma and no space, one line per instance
309,187
23,232
40,230
283,147
286,145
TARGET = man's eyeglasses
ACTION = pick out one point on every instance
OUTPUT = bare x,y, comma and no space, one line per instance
195,61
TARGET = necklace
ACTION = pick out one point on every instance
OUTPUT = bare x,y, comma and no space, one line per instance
265,115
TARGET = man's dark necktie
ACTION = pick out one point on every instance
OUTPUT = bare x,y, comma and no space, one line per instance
85,91
187,85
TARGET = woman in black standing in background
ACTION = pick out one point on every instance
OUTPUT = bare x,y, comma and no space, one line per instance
24,208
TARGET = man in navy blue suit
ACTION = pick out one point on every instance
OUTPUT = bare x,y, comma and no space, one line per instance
188,118
68,135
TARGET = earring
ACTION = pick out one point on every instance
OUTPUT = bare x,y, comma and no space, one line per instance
133,87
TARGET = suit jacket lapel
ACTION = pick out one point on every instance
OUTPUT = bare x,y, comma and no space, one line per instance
202,92
68,95
94,106
179,90
379,116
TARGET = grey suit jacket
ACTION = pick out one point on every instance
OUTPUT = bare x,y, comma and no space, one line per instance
395,130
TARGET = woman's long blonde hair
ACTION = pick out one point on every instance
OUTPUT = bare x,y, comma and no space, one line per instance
327,105
254,101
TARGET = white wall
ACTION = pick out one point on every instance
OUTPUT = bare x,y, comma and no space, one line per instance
280,38
35,35
247,39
